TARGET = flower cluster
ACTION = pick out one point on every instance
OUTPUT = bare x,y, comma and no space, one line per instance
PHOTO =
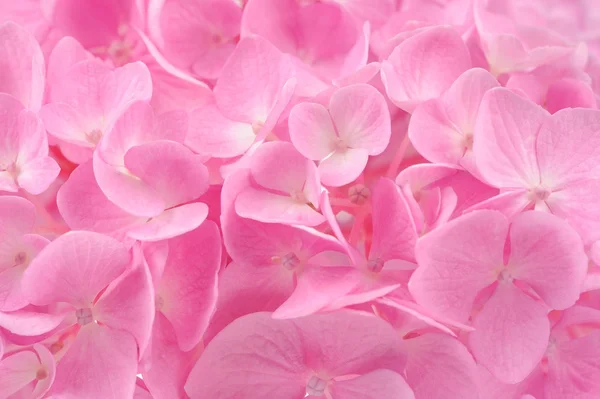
287,199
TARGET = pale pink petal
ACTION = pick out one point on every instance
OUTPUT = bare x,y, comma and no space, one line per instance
547,254
64,122
17,371
505,146
394,229
511,333
251,100
23,68
423,66
440,366
267,207
171,223
456,261
343,166
361,117
374,385
47,364
188,288
312,131
75,268
125,190
279,166
30,323
65,54
36,176
128,305
567,147
96,213
11,297
17,216
123,87
100,360
174,172
213,134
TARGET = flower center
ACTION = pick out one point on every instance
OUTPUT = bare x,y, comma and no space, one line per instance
94,136
20,258
84,316
505,275
340,145
539,194
41,374
316,386
359,194
375,265
299,196
289,261
159,302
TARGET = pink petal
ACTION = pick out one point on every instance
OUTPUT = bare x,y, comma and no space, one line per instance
125,190
23,69
17,371
510,203
547,254
100,362
456,261
36,176
423,66
123,87
213,134
30,323
251,100
175,173
279,166
316,288
74,268
48,363
171,223
65,54
64,122
17,216
511,333
506,129
397,239
96,213
566,147
188,288
275,357
374,385
569,93
245,289
267,207
343,166
439,366
170,366
573,370
361,117
128,305
312,131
